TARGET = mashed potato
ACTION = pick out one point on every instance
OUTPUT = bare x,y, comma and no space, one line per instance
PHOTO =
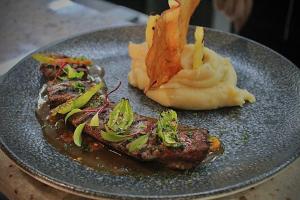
206,80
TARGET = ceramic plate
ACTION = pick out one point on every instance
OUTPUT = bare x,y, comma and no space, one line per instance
259,139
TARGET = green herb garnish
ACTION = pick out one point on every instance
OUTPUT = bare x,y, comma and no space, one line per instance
121,116
119,121
113,137
42,58
78,86
77,134
72,73
72,112
77,102
167,128
138,143
95,120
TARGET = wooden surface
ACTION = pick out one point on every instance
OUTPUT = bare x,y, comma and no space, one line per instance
17,185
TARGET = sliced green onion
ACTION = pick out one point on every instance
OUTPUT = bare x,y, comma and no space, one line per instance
80,87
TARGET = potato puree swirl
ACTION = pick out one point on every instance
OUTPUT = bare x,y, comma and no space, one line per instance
205,81
211,86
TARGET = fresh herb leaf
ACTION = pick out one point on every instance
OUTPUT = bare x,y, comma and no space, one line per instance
119,121
85,97
95,120
72,112
113,137
96,101
80,87
77,102
138,143
63,78
77,134
167,128
121,116
72,73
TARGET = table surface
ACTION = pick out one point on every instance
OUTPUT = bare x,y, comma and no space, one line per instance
28,25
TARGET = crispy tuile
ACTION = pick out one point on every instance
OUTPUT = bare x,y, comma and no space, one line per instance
169,39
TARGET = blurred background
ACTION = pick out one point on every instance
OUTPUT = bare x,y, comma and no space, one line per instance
272,23
28,25
204,15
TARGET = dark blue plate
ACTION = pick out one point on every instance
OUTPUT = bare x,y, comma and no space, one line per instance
260,139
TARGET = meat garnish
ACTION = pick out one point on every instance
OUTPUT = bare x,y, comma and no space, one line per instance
87,107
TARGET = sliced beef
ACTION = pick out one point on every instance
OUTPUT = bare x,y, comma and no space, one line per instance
194,149
60,92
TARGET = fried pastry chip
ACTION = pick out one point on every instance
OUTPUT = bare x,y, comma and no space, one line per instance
169,38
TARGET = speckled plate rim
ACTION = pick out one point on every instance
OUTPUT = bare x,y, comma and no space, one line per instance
67,187
61,187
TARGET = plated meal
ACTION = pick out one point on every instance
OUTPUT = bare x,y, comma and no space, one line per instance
125,139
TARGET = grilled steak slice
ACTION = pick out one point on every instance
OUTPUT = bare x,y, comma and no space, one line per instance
50,72
54,71
194,149
60,92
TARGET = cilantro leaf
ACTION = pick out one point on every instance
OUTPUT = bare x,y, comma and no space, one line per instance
121,116
167,128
